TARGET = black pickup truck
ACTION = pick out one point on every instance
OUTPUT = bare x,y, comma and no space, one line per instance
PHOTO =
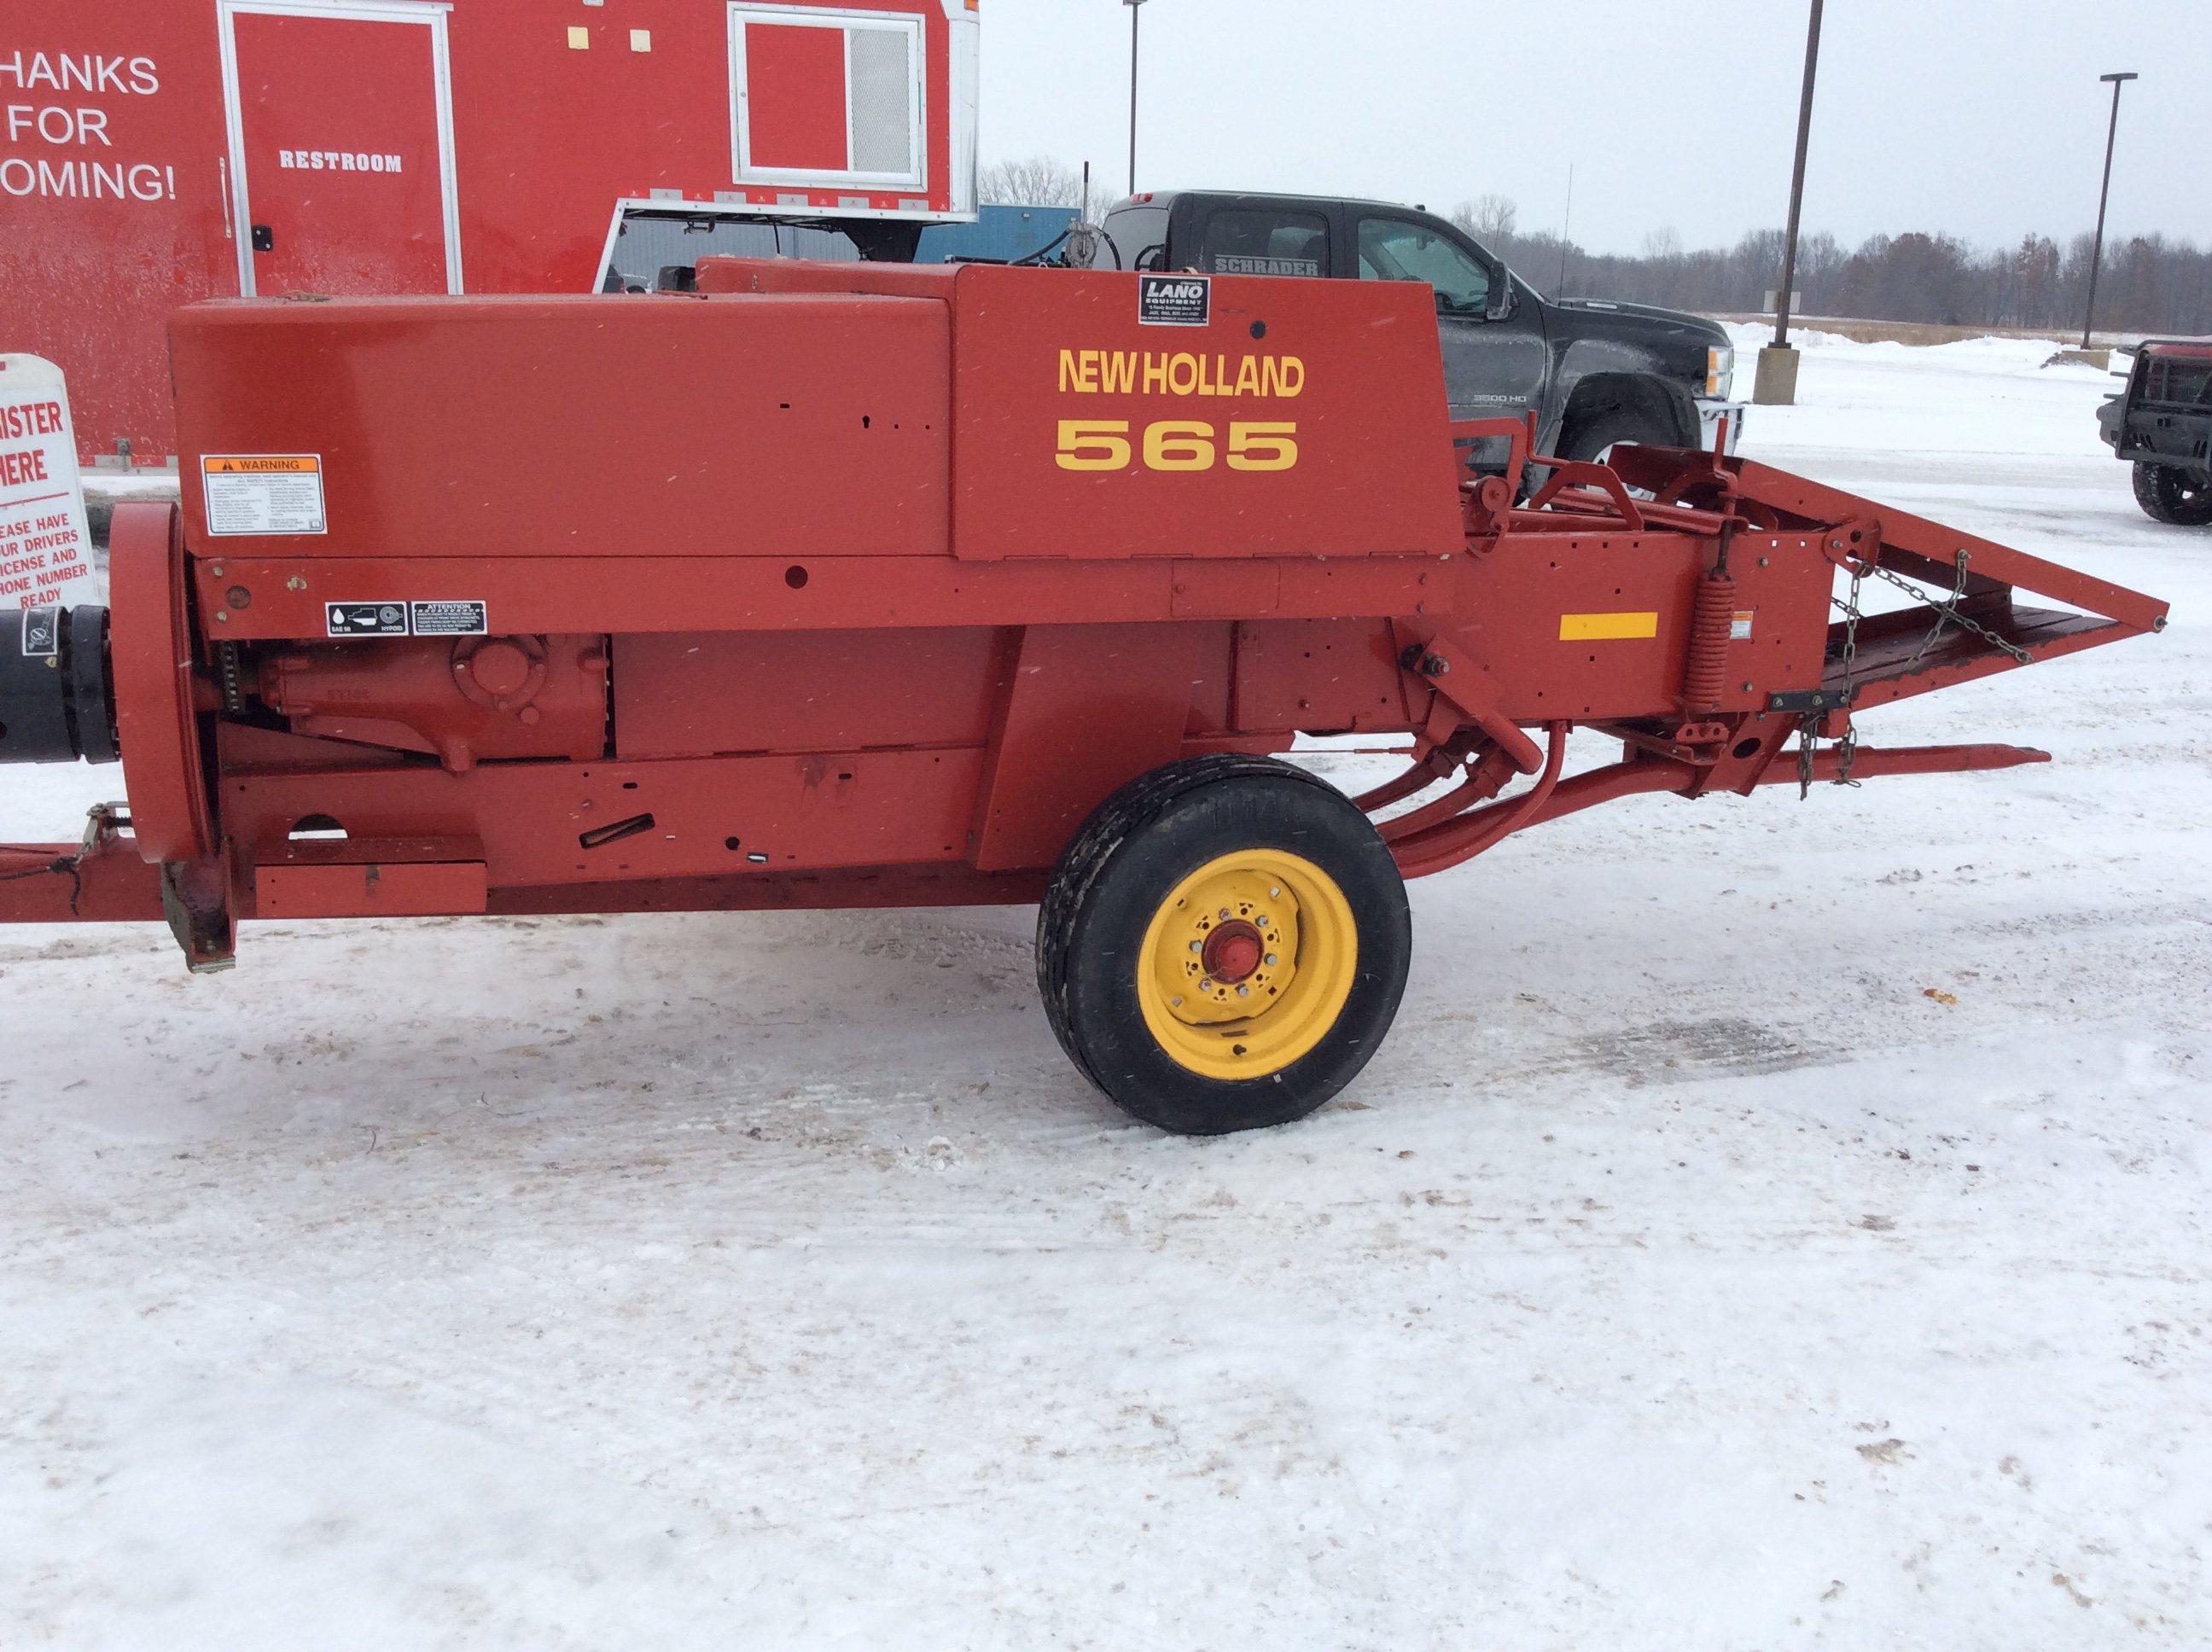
2162,425
1595,372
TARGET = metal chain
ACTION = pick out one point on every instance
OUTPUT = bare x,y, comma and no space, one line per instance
1946,613
1847,748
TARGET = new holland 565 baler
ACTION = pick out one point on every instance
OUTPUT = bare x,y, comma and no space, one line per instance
838,586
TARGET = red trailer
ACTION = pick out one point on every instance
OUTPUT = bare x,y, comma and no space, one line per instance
868,585
155,152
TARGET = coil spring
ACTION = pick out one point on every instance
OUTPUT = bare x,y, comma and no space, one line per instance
1706,679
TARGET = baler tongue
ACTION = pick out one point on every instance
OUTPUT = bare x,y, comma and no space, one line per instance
1965,619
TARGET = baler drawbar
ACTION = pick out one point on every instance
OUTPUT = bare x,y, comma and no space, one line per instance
866,586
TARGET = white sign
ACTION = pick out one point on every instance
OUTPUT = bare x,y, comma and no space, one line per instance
45,548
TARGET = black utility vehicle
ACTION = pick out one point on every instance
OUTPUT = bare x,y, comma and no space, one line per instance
1595,372
2162,424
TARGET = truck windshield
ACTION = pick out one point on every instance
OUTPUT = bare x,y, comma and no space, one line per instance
1398,249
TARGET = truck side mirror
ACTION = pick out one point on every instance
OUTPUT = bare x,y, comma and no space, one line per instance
1501,296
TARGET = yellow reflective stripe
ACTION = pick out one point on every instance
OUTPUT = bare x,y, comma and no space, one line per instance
1607,627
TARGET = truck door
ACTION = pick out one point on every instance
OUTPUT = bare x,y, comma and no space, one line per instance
341,147
1493,369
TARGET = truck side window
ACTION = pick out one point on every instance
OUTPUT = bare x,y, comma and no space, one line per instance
1397,249
1241,241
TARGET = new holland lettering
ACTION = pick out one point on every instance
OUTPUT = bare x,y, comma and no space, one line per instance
1179,372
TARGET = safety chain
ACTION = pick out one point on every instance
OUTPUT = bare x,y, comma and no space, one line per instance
1808,731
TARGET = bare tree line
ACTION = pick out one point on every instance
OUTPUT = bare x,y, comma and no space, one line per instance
2150,284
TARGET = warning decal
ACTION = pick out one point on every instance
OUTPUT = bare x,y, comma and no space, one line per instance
366,619
1740,624
263,494
42,630
448,619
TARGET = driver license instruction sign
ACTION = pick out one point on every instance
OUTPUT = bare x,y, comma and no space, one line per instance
46,547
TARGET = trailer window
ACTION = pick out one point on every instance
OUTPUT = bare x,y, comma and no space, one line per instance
1242,241
1398,249
832,96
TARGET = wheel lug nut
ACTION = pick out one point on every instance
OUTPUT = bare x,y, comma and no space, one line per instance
1206,986
1198,946
1243,991
1271,959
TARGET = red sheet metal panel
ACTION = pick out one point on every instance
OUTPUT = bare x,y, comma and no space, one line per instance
318,886
697,694
343,174
1320,676
1103,415
488,427
1087,709
577,824
727,275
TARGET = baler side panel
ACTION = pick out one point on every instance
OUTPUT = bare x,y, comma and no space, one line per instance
1597,626
485,429
702,693
551,824
1087,709
1291,423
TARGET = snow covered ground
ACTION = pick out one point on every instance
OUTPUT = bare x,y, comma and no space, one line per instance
1682,1274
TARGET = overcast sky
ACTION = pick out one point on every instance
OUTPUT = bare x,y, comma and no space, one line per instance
1984,118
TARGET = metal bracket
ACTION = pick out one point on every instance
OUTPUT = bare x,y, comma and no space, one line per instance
1800,700
195,900
1854,546
1465,686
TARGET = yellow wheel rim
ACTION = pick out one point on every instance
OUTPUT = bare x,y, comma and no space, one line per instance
1246,964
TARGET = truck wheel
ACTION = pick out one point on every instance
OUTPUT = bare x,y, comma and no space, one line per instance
1223,945
2169,494
1591,437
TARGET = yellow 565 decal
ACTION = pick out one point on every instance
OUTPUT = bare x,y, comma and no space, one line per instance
1175,444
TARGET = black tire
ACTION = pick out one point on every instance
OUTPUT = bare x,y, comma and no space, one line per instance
1594,432
2170,495
1128,863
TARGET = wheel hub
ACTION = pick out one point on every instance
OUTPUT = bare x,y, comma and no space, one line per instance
1229,952
1232,952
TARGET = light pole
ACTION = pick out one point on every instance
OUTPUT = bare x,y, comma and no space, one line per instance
1777,385
2103,198
1134,7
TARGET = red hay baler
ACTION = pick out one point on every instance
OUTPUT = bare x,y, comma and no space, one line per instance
853,585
